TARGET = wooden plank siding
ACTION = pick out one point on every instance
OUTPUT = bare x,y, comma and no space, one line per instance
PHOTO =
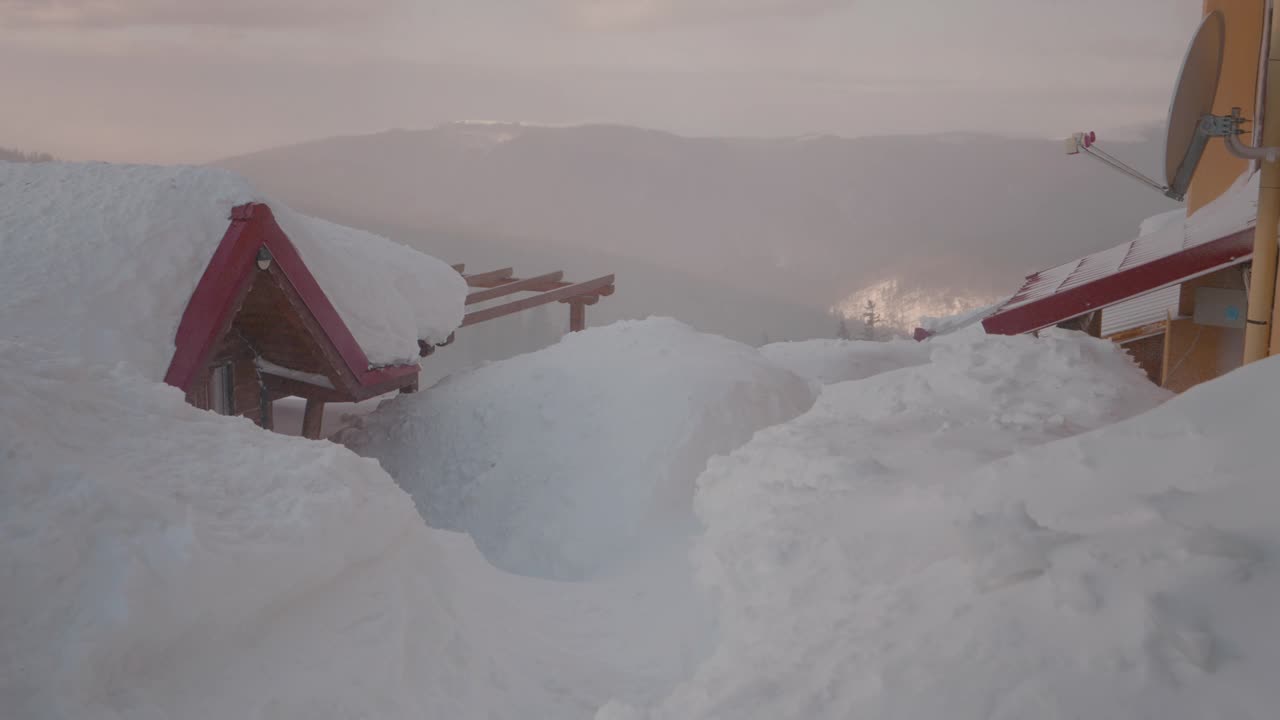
246,393
1148,352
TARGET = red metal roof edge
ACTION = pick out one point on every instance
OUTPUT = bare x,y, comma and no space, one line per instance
208,311
1108,290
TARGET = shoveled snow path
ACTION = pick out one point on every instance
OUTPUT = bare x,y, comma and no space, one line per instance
566,648
632,635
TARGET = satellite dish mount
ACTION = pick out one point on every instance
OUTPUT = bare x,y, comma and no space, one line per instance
1191,120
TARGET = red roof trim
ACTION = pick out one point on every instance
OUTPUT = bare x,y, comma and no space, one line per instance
1162,272
209,311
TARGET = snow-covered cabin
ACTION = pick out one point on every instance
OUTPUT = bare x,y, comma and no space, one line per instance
186,275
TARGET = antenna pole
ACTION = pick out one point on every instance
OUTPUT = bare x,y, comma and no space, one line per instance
1259,341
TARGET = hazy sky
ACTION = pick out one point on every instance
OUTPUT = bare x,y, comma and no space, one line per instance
195,80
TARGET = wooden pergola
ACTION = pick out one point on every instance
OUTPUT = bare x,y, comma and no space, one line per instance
540,290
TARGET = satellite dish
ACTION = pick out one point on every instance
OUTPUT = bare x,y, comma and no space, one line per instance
1191,120
1192,100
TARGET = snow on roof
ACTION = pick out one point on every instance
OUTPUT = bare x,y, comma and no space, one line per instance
1209,239
99,260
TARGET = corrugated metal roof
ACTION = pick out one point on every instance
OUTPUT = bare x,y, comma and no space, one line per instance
1142,310
1065,290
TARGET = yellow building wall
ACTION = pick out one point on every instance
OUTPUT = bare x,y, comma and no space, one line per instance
1237,88
1197,353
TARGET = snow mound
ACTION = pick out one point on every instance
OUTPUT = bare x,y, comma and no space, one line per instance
856,576
99,261
162,562
556,462
832,361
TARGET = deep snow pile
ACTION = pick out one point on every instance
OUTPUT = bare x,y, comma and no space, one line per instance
557,461
857,573
99,260
832,361
157,561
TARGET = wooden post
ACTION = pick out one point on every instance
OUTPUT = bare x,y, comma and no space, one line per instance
312,419
577,316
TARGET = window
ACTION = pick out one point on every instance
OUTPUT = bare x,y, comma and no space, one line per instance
222,390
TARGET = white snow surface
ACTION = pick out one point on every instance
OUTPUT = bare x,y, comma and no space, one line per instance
860,571
159,561
99,260
831,361
979,533
560,462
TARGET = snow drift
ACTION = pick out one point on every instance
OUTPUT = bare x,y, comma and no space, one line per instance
831,361
99,261
556,461
163,562
857,573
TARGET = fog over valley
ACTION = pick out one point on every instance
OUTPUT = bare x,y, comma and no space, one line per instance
747,237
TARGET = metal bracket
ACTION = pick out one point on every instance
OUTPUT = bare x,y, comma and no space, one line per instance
1222,125
1229,128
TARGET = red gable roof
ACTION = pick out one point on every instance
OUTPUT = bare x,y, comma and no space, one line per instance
1104,278
227,277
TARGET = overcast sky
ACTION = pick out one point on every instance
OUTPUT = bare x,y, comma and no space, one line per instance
195,80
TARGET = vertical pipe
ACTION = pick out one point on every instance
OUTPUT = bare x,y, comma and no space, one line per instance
1259,105
1258,338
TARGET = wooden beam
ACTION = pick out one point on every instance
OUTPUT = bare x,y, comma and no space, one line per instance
342,376
590,287
490,279
313,419
541,283
1138,333
287,387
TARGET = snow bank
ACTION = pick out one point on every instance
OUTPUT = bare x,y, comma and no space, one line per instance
99,261
960,321
163,562
832,361
556,461
857,577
